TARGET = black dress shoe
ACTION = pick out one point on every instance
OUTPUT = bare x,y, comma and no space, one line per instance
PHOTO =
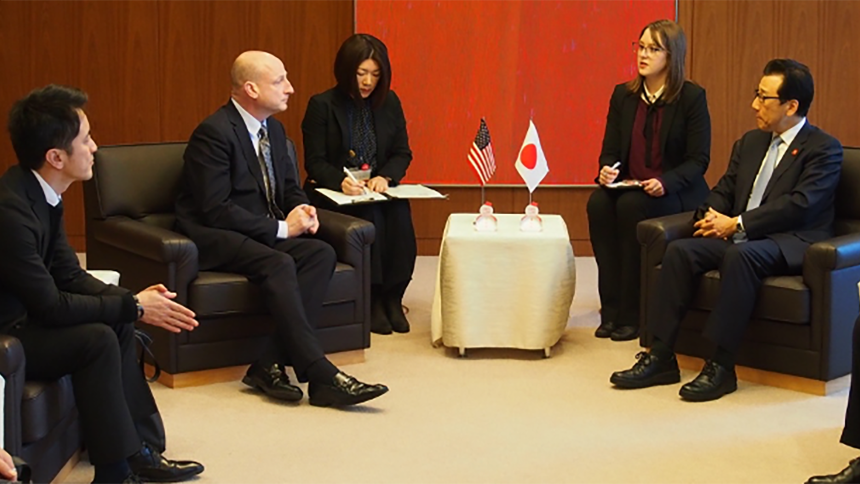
624,333
273,382
849,474
604,330
343,390
712,383
149,465
379,322
649,370
394,310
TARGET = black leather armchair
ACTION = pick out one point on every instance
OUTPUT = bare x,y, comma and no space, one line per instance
130,217
40,417
801,325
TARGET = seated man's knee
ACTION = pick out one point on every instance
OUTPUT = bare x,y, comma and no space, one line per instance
737,253
325,253
678,250
282,262
100,339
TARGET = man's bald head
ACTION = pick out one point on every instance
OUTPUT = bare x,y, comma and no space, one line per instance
251,65
260,83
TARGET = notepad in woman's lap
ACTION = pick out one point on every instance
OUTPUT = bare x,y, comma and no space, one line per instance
341,198
400,191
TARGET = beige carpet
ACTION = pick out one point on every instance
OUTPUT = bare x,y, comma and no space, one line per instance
504,416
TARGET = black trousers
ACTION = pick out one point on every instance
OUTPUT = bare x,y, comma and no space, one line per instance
392,255
743,267
612,219
114,401
294,278
851,432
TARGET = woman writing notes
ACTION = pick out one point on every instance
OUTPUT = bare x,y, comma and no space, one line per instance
655,151
355,140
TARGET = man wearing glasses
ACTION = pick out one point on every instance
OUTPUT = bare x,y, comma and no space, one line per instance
775,199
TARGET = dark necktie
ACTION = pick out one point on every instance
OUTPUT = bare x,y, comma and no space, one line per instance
649,129
265,157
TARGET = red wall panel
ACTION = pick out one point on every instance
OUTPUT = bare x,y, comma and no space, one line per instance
556,62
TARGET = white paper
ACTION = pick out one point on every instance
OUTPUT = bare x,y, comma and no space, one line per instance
341,198
413,191
625,184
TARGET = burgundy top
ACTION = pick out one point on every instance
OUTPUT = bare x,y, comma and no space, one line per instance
638,170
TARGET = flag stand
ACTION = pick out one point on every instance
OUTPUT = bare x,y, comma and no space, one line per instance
483,198
530,198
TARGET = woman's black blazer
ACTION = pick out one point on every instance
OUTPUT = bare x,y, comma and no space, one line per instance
685,140
326,136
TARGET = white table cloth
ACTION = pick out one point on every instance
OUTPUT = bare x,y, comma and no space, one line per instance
503,289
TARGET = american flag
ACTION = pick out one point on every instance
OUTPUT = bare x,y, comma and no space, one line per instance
481,155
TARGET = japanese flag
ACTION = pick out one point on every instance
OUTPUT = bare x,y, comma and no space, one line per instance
531,162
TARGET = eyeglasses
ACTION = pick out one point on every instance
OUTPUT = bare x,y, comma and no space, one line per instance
650,50
761,98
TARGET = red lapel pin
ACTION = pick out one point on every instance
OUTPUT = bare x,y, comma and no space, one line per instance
794,152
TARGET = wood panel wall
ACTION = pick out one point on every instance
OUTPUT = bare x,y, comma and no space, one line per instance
729,42
155,69
732,41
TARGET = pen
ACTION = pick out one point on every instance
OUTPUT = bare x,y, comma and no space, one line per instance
613,167
351,177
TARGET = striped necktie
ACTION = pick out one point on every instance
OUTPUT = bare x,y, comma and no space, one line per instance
265,158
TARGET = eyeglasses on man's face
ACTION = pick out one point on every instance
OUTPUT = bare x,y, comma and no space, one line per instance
648,50
761,97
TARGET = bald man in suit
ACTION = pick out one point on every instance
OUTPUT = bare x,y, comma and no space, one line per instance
241,203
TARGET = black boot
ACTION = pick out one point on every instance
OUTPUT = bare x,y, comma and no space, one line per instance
379,322
394,308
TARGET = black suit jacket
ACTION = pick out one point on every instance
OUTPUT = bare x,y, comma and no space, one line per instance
222,198
797,207
41,280
685,140
326,137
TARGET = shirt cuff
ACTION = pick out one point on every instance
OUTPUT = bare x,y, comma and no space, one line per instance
283,233
741,223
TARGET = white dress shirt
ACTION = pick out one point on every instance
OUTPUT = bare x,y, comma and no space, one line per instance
53,198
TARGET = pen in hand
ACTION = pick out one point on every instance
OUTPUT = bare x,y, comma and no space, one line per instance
351,177
607,177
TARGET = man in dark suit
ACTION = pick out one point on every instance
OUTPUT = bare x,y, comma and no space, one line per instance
241,203
851,431
67,321
775,199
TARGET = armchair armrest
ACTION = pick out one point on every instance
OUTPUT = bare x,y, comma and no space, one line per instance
149,241
655,234
147,254
831,269
12,363
348,235
833,254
